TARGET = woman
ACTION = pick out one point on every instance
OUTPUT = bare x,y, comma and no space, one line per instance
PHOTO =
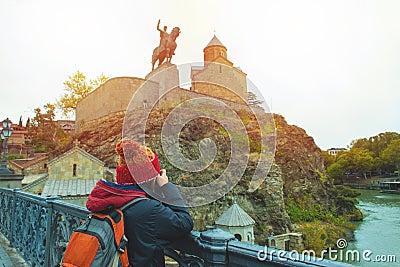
150,224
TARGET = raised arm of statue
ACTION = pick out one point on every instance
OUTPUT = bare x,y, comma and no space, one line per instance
158,27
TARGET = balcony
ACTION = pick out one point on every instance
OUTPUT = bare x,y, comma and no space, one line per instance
39,228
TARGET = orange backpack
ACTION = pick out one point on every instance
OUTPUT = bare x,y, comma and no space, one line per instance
99,241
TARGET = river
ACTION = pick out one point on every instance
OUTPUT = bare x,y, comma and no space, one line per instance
377,237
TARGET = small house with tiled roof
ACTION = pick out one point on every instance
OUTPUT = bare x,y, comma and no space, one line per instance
73,175
36,164
236,221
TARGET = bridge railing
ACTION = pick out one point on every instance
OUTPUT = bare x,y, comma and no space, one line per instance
39,228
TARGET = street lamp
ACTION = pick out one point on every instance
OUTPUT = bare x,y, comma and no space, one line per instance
5,134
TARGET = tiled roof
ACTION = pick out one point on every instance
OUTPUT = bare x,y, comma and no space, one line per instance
62,188
215,41
24,163
234,216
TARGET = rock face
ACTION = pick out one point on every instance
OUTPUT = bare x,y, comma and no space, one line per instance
298,169
302,165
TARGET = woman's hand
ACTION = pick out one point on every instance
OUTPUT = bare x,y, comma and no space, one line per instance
162,179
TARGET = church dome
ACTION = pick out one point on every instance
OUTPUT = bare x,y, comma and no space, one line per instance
215,42
214,49
234,216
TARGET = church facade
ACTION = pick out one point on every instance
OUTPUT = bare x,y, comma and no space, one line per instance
218,77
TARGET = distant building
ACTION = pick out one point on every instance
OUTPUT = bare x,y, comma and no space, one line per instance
18,135
35,164
17,141
67,125
236,221
335,151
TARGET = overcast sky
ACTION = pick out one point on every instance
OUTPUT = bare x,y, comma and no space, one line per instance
330,67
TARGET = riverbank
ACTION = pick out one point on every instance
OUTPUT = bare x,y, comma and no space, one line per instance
321,227
374,183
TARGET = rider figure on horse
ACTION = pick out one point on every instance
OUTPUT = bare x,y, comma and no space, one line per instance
163,37
167,45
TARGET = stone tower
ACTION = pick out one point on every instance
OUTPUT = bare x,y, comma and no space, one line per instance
215,51
236,221
218,77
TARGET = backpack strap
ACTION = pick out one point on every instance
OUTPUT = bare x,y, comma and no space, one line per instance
132,202
122,249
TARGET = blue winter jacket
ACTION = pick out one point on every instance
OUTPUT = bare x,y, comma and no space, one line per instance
151,225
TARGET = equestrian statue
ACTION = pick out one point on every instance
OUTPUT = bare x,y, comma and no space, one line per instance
167,45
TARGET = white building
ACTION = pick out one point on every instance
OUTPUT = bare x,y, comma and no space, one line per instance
237,222
335,151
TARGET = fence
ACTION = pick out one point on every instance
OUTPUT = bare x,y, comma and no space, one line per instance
39,228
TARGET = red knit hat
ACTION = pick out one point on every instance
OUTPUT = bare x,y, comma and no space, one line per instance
136,164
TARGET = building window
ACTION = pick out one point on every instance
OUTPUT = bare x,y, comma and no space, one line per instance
287,245
74,170
238,237
249,237
272,243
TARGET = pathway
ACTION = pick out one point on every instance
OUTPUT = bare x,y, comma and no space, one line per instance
9,257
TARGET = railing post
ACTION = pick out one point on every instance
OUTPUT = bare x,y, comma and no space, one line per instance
49,232
12,211
215,244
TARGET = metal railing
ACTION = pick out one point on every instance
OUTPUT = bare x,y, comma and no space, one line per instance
39,228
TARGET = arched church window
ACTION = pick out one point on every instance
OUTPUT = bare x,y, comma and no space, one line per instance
74,170
249,237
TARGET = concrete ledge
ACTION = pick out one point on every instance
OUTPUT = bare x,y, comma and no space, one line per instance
11,180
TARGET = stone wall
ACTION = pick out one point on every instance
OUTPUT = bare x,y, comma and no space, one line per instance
111,97
37,168
295,241
215,78
86,168
216,91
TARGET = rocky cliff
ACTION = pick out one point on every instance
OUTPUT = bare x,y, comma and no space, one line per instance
297,175
305,181
302,165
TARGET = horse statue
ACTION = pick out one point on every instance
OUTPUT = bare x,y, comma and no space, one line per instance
166,48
